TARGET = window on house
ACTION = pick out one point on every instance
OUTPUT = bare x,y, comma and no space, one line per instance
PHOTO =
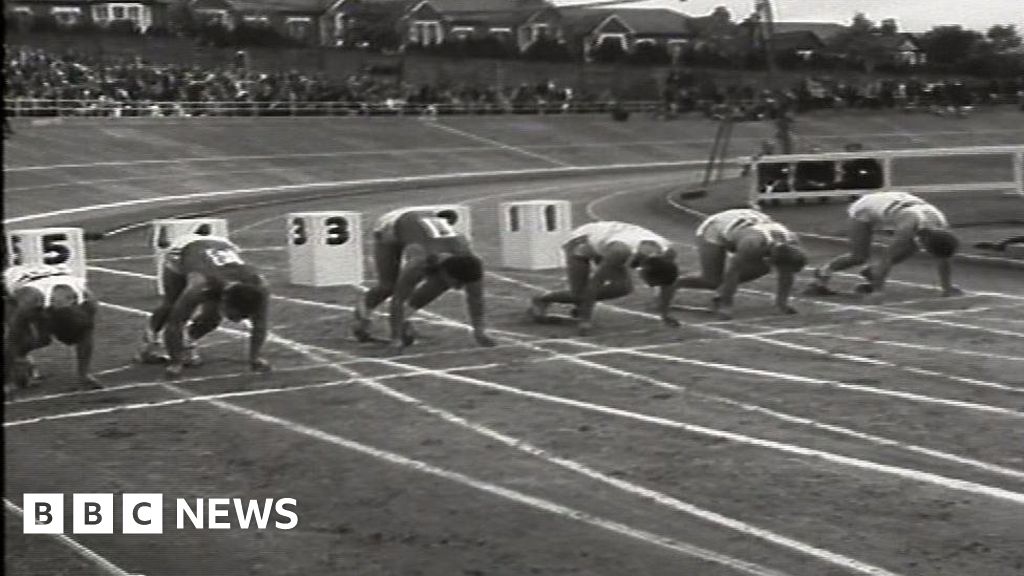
134,13
118,12
99,13
66,15
612,38
298,28
538,31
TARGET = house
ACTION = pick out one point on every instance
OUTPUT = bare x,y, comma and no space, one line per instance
299,20
363,23
802,38
823,31
587,29
903,48
431,22
144,14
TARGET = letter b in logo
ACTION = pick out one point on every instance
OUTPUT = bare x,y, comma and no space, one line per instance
93,514
142,514
44,513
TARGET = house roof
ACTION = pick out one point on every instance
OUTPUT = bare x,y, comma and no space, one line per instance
490,12
797,40
8,3
486,6
280,5
643,21
654,21
825,31
210,4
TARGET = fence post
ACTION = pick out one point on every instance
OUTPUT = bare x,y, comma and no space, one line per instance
887,173
1018,170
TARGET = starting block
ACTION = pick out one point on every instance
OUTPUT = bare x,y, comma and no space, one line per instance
50,246
325,248
456,214
167,230
532,233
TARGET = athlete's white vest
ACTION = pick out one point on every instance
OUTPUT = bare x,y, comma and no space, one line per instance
599,235
44,279
887,209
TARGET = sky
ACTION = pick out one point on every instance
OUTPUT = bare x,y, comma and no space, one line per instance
910,15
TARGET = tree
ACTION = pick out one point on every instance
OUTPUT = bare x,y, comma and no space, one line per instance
949,45
889,27
1003,37
859,43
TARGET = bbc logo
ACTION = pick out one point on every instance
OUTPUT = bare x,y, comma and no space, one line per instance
93,513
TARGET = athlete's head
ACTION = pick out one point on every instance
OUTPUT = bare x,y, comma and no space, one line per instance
240,301
659,271
787,257
461,269
450,215
70,324
938,243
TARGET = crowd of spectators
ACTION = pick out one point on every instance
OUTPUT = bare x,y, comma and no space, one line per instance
37,82
751,102
131,87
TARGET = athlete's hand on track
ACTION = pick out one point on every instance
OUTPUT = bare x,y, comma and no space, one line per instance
953,291
670,321
584,327
785,309
484,340
396,346
874,298
174,369
259,365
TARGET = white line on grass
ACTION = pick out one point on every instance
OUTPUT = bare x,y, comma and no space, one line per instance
596,349
492,142
104,565
447,150
373,383
421,179
788,377
848,563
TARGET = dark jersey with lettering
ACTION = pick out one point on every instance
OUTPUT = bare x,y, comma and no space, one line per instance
217,259
421,227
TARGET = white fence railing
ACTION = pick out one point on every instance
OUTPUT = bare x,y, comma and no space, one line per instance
841,174
38,107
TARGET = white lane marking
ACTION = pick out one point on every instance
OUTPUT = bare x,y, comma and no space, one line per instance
104,565
546,505
778,539
446,150
495,143
911,346
788,377
426,178
578,358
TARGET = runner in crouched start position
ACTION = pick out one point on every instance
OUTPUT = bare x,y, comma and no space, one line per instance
614,248
757,244
437,258
915,222
44,302
205,280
